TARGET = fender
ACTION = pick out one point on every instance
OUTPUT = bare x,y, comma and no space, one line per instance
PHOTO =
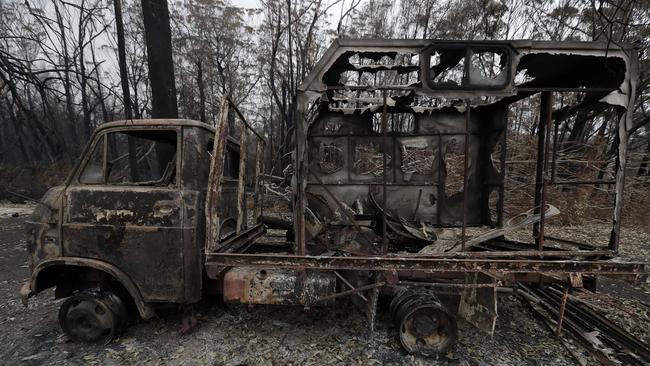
146,311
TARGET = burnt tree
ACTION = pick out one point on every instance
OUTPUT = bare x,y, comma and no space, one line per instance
124,76
159,57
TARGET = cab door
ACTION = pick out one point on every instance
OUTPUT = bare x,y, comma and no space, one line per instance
124,207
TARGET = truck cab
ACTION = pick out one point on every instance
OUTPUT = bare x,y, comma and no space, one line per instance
127,228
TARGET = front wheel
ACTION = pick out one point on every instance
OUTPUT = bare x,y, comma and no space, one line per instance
92,316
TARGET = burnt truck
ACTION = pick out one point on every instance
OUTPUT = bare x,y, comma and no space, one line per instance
398,190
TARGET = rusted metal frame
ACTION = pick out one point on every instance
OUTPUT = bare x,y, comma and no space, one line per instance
468,117
506,246
580,245
238,244
554,153
619,167
395,151
558,329
502,164
350,292
104,143
586,321
514,254
542,126
384,127
425,265
243,240
213,192
347,283
241,189
440,189
369,183
180,151
549,121
615,331
241,194
625,120
299,202
531,300
439,285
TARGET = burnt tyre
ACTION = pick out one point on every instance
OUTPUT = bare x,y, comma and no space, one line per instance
93,316
424,325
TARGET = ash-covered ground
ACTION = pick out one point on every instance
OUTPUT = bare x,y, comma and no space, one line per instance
238,335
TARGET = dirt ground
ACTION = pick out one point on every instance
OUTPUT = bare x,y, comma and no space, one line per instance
237,335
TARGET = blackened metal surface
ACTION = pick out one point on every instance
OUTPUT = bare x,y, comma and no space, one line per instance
478,304
249,285
152,234
138,229
427,87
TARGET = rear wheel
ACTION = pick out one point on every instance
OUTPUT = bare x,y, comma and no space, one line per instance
424,325
93,316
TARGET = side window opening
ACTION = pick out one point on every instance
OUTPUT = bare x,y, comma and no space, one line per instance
231,162
145,157
468,67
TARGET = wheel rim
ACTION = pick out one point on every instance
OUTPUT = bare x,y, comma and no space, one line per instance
423,324
427,330
88,319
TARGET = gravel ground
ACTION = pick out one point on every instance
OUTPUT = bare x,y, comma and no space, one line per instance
238,335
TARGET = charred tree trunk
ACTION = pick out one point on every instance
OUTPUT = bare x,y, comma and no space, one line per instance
83,84
121,50
159,57
67,85
99,93
201,85
124,80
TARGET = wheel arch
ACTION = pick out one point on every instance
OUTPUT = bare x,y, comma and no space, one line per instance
45,275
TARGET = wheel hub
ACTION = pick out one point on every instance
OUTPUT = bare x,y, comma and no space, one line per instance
92,316
425,327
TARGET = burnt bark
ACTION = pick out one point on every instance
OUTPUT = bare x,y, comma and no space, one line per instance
121,50
99,94
83,81
201,85
124,80
159,57
67,84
